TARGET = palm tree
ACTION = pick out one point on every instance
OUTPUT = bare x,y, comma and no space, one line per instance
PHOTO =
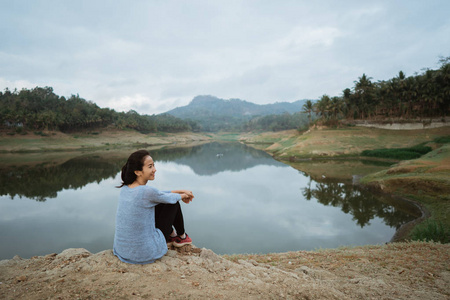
443,81
335,107
365,95
321,107
351,108
308,108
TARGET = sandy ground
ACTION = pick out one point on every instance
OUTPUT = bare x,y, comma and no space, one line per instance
394,271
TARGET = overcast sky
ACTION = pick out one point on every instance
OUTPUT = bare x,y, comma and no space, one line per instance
152,56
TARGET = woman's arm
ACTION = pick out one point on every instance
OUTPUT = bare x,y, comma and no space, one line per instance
189,193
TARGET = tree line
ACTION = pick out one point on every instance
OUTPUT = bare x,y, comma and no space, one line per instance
41,109
425,95
284,121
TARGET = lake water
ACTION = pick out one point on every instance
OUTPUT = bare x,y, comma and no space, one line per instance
245,201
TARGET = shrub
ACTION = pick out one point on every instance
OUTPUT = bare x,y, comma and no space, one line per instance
303,128
419,149
442,140
398,153
431,230
20,130
40,133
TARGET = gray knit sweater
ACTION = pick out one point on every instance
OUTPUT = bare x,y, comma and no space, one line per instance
136,239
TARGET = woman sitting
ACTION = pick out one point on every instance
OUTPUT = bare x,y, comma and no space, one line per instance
147,220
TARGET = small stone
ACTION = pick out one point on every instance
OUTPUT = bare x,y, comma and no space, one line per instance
21,278
196,250
195,283
253,262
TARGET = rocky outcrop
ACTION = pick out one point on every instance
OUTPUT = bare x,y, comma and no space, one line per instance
201,274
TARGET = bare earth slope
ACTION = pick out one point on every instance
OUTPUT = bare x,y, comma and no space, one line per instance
393,271
344,142
107,139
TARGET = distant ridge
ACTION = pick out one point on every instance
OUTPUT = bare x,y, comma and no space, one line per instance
213,113
206,105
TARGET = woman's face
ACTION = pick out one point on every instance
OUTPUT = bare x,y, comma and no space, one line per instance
148,168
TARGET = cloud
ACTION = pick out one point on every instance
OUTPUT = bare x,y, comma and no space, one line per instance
142,103
150,55
301,38
16,84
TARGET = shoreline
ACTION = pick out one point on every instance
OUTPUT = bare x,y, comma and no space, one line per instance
88,141
432,169
402,233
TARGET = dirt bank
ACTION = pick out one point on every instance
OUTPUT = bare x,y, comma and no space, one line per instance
393,271
92,140
404,125
337,143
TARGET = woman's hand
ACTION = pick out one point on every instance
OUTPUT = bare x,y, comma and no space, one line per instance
186,198
189,193
186,195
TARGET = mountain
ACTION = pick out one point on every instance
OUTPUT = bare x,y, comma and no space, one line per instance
210,105
214,113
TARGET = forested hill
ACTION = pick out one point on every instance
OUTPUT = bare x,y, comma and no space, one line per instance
41,109
214,113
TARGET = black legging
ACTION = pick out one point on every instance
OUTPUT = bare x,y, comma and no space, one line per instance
168,215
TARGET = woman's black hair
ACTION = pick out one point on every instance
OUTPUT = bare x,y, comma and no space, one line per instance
134,163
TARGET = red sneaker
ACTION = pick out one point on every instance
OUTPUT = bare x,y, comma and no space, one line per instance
179,242
170,242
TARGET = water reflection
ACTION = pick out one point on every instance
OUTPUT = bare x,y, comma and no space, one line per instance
363,205
44,181
213,158
246,202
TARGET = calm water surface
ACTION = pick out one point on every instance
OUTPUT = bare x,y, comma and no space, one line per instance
246,202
